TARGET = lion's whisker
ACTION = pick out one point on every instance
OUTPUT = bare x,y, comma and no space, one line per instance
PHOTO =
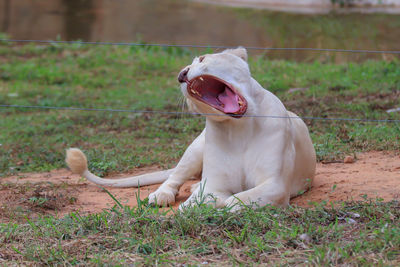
182,105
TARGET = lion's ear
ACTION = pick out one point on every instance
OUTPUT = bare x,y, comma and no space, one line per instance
240,52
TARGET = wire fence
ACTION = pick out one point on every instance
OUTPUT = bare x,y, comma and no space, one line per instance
49,42
203,46
197,114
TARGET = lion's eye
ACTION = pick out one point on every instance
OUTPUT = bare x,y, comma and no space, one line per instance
201,58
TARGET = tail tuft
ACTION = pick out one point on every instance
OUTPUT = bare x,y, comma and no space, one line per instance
76,161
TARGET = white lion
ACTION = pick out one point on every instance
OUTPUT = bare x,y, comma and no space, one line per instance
240,156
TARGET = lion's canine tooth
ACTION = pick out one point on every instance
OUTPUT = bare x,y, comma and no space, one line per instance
195,92
201,79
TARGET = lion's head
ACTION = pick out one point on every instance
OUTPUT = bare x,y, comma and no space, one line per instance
217,83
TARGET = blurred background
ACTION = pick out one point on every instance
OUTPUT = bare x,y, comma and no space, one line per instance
344,24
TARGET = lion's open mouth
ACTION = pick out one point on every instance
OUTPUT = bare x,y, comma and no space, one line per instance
218,94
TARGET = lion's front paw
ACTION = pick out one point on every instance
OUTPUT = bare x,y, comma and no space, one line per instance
162,197
186,205
234,203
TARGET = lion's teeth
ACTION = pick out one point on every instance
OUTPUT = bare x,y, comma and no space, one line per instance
195,92
201,79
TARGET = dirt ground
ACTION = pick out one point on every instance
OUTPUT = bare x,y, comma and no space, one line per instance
371,175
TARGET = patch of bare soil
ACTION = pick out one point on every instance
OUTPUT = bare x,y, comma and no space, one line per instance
372,175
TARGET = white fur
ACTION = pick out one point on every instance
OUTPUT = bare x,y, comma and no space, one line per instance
250,159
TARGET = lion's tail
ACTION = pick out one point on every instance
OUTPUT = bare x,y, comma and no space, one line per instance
77,162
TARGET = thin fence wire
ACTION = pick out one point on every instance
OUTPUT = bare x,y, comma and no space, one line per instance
203,46
196,114
198,46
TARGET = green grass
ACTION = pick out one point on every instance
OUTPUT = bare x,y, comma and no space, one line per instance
364,233
145,79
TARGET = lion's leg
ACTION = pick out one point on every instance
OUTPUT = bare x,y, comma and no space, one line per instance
189,166
272,191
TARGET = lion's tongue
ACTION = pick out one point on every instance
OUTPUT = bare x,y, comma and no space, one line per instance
230,101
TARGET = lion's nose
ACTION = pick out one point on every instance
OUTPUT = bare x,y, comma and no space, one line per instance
182,77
